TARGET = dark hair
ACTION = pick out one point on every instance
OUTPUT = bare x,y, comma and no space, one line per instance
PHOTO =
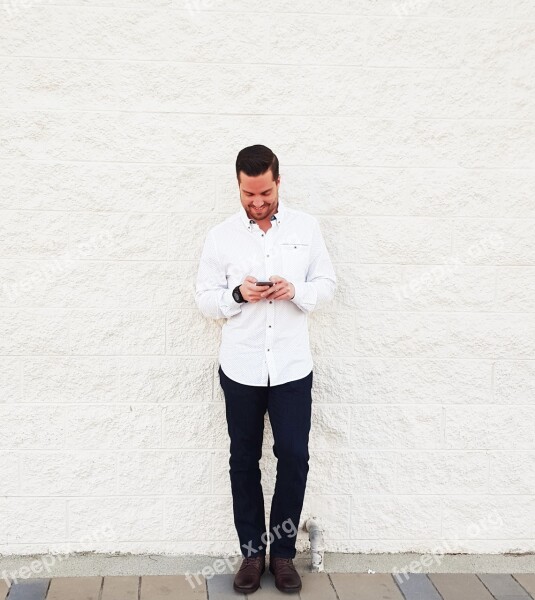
256,160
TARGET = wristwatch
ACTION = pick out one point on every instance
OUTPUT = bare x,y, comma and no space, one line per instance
236,294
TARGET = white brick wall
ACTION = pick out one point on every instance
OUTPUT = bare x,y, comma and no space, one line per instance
407,127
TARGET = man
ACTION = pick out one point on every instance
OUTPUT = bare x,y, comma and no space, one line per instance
265,361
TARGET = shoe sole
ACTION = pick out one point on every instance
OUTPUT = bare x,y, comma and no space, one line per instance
289,590
248,590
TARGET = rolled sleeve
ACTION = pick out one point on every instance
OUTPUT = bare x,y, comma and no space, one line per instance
228,304
212,295
305,296
321,282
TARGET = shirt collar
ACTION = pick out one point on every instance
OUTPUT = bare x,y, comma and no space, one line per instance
250,222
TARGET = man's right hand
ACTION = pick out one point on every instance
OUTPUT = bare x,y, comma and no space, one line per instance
250,291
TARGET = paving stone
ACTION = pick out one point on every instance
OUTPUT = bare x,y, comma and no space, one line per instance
220,588
317,586
29,589
171,587
503,586
418,586
365,586
3,589
120,588
74,588
267,589
527,581
453,586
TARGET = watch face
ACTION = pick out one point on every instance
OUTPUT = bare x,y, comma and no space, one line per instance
236,295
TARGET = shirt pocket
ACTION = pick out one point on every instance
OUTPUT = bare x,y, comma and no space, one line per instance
295,259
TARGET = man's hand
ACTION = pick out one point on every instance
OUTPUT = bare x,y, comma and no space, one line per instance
282,290
250,291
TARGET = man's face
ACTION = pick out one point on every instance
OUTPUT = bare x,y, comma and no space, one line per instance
260,192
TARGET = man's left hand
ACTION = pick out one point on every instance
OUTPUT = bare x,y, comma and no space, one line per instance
281,290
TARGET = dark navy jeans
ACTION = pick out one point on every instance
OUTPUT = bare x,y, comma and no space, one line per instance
289,408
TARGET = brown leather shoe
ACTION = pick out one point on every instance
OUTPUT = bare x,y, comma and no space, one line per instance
247,579
286,577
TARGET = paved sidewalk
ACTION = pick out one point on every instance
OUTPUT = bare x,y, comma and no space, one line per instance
316,586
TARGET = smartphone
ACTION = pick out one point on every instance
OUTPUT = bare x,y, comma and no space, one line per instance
270,283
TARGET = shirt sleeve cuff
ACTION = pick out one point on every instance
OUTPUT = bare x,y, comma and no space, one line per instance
231,306
298,292
305,296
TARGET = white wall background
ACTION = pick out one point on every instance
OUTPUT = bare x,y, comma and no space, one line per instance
407,127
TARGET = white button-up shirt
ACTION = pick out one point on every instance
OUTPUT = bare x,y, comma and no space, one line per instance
268,337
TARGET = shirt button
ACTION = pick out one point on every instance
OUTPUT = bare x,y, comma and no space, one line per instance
271,301
267,255
269,326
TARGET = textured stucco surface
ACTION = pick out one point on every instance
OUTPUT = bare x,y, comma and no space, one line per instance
407,128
